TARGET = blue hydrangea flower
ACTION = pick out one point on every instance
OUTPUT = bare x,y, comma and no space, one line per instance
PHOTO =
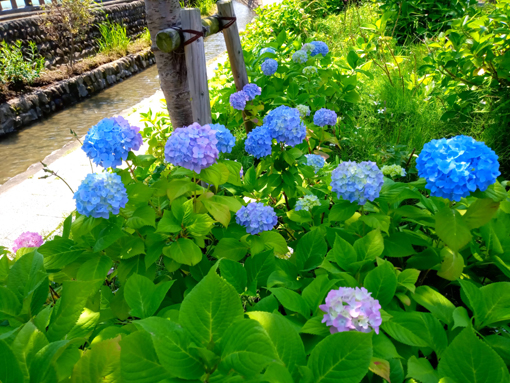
325,117
320,48
457,166
238,100
307,203
266,50
303,110
300,57
252,91
100,194
256,217
110,141
316,161
359,182
192,147
259,142
269,67
309,70
285,125
226,140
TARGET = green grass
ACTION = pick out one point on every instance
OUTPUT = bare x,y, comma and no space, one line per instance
207,7
114,38
411,118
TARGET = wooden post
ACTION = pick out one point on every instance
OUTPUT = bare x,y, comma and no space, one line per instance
233,42
13,4
197,67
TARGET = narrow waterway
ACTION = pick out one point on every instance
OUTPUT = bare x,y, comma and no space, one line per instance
30,145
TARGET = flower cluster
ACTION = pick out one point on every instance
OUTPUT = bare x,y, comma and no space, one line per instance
238,100
100,194
303,110
269,67
307,203
325,117
284,124
110,141
252,91
393,171
300,57
192,147
309,70
319,48
359,182
349,309
308,47
256,217
259,142
226,139
27,239
316,161
266,50
457,166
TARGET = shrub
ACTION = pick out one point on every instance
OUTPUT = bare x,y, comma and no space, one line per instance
17,68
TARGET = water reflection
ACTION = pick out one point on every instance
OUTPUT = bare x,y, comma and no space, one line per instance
21,149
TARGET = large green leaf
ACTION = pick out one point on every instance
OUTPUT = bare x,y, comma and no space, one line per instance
421,370
59,253
95,268
10,306
452,229
216,174
219,211
275,241
288,343
172,347
452,264
168,223
259,267
382,282
10,371
143,296
342,211
370,246
398,245
311,249
246,348
143,216
291,300
416,329
469,360
436,303
72,302
100,363
208,310
230,248
235,274
408,278
27,343
341,358
138,360
343,253
316,291
480,212
43,368
184,251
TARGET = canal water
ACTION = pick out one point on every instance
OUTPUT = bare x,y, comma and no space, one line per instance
30,145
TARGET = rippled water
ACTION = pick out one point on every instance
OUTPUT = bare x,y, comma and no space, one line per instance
21,149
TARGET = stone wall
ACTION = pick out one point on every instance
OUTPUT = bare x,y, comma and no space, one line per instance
22,111
129,14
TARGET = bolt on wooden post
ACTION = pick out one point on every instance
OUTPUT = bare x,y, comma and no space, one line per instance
197,67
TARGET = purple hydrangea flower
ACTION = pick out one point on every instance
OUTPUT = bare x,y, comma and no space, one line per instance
320,48
256,217
238,100
359,182
307,203
27,239
226,140
269,67
300,57
110,141
99,194
325,117
316,161
457,166
259,142
252,91
285,125
192,147
349,309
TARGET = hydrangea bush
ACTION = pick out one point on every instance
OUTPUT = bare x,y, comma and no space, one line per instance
27,239
163,274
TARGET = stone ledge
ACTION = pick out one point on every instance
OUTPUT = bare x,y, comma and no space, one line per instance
20,112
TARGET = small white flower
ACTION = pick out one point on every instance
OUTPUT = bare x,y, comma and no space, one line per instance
381,111
377,103
358,127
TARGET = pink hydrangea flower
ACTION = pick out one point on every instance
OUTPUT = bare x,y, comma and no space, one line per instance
351,309
27,239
